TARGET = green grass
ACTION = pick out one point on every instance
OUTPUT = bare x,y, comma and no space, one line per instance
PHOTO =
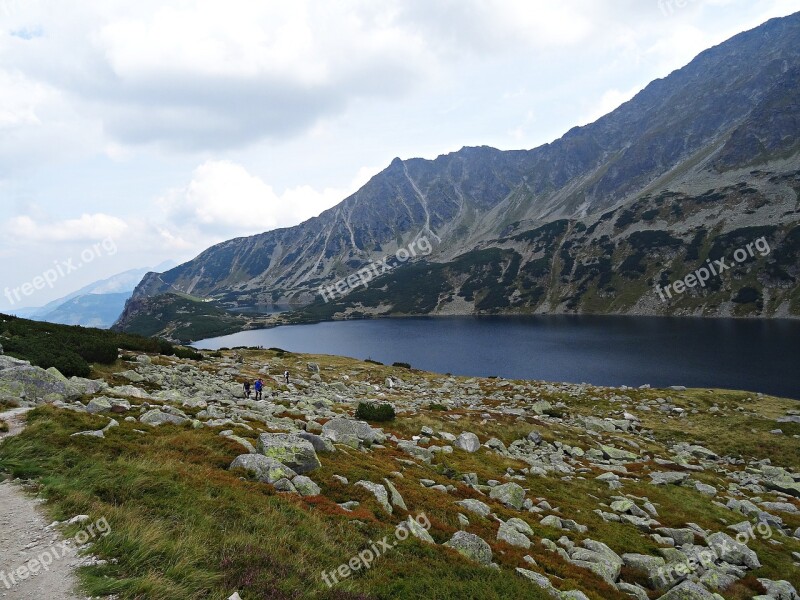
182,526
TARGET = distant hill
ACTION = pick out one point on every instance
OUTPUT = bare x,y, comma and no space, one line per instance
98,304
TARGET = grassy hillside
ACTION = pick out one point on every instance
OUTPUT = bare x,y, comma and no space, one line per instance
71,349
183,525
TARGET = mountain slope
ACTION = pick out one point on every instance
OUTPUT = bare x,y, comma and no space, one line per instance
732,111
98,304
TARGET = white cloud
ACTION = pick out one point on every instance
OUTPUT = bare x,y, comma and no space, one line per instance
86,228
223,200
610,100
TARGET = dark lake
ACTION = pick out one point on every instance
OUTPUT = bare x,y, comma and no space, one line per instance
760,356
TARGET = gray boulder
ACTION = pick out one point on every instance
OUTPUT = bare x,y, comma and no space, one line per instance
394,496
475,506
98,405
468,442
320,443
510,535
20,380
732,551
668,477
417,530
688,590
351,432
289,449
540,580
377,490
510,494
471,546
779,590
306,486
156,417
265,469
417,452
650,565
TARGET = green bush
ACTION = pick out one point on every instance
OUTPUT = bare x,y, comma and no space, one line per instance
183,352
370,411
402,365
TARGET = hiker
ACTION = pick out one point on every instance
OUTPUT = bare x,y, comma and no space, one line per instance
247,389
286,376
259,388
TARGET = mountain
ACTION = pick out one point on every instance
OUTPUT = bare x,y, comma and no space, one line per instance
89,310
98,304
696,159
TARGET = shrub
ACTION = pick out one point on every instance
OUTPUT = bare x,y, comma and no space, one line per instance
182,352
402,365
3,427
436,406
556,413
370,411
746,295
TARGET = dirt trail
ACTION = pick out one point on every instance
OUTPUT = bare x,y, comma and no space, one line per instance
25,537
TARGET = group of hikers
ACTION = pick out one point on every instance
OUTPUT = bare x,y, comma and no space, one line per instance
258,386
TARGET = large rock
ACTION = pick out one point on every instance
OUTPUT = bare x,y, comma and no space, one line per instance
510,494
668,477
613,453
598,557
377,490
732,551
351,432
289,449
394,496
475,506
20,380
652,566
417,452
468,442
417,530
540,580
305,486
265,469
471,546
779,590
103,404
156,417
320,443
510,535
688,591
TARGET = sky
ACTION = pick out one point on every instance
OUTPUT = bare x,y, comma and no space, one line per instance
137,132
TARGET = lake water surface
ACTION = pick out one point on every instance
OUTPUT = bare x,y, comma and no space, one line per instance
761,356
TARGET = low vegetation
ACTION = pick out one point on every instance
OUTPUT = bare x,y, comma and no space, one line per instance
72,349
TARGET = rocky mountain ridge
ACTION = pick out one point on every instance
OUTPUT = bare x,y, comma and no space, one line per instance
730,117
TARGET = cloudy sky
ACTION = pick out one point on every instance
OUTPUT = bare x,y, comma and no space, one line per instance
136,132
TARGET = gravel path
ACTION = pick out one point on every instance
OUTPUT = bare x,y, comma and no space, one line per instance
25,536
